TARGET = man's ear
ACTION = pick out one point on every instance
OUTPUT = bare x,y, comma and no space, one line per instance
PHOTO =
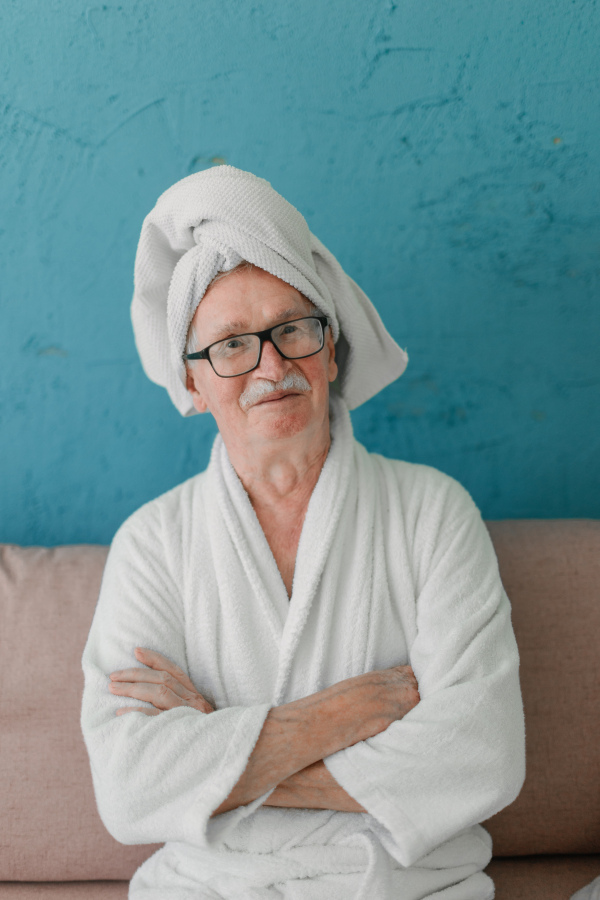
196,395
332,368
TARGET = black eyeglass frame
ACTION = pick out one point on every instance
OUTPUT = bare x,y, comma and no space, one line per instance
262,336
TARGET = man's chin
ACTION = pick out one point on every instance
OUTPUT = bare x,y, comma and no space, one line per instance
279,419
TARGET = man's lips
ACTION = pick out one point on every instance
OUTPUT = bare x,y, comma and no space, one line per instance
277,395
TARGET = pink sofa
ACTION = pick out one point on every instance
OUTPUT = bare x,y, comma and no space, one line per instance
53,844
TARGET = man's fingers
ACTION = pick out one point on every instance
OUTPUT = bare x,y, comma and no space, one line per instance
160,670
160,681
152,676
156,660
159,695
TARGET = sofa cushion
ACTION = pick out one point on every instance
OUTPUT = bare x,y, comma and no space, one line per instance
540,877
64,890
551,572
47,804
515,878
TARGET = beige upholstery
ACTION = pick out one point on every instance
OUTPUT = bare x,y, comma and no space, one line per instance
516,878
47,602
551,572
53,842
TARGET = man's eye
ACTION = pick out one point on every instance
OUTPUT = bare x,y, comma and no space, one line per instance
233,344
289,329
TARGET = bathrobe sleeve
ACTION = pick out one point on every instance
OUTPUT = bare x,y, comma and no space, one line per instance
156,778
458,757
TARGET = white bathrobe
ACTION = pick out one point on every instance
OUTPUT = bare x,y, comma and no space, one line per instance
394,567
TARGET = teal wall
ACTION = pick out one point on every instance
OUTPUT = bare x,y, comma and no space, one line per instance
448,154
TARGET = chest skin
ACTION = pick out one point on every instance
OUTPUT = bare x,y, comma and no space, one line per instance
283,536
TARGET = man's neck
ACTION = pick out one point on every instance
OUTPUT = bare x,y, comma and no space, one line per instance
280,480
279,477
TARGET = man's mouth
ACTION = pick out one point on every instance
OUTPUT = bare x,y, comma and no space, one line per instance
276,395
265,391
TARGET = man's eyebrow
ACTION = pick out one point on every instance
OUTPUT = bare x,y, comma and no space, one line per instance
231,327
240,327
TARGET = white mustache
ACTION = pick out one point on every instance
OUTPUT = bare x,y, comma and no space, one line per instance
258,389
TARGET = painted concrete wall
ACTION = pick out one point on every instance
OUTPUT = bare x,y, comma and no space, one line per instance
448,153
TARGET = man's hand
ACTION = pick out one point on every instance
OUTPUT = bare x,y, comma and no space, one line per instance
394,692
303,732
163,684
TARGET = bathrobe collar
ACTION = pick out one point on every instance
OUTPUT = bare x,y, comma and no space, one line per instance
287,617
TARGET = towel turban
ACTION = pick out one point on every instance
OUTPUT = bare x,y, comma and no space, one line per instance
207,223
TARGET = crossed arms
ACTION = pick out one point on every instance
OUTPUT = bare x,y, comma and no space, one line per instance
295,737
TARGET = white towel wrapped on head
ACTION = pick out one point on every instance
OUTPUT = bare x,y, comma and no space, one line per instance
208,223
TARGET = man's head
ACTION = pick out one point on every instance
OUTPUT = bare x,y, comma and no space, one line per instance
249,299
207,223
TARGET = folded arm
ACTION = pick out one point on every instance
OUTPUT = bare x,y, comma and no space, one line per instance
288,755
297,736
346,713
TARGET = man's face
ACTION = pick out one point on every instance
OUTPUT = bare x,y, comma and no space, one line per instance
246,301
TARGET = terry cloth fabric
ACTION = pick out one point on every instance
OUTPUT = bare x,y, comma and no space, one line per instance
207,223
589,892
394,567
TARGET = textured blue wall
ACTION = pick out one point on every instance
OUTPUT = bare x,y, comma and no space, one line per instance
448,153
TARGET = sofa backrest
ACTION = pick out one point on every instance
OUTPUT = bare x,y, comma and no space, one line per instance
50,828
551,572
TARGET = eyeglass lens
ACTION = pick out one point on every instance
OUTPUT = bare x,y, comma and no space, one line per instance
239,354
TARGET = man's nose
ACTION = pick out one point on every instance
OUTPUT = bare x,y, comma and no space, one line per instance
272,366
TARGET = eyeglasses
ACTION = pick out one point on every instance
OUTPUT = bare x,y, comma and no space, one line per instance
241,353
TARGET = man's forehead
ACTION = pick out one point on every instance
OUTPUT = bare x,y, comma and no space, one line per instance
242,322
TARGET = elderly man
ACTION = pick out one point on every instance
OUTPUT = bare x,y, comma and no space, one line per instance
315,638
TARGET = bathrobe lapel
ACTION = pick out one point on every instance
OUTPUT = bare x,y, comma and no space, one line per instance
252,547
